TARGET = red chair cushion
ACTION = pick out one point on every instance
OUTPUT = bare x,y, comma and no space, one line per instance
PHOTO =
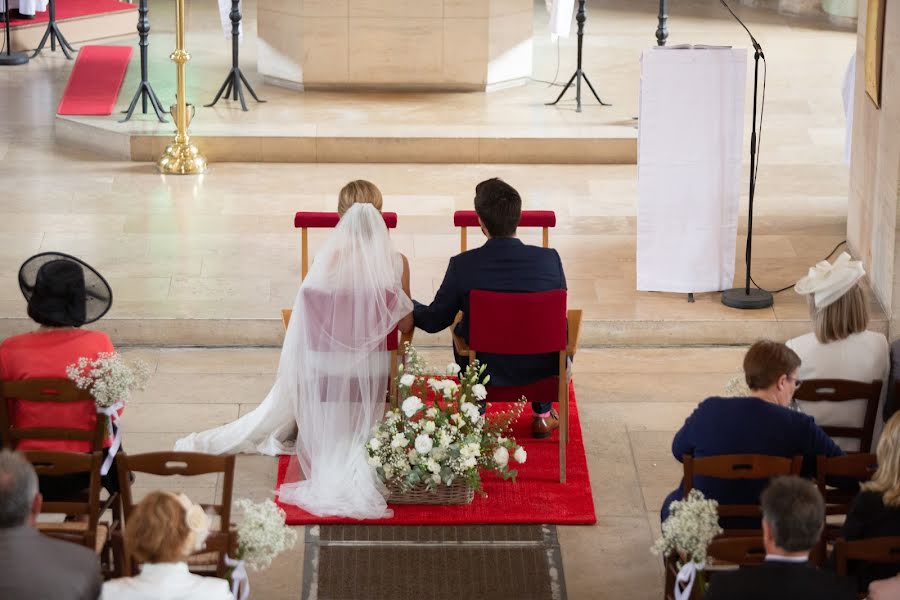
517,323
328,220
326,307
530,218
544,390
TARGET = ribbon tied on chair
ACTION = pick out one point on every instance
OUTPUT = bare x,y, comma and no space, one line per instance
240,580
113,413
687,575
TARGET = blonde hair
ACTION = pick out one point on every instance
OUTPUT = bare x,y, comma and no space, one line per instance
847,315
358,192
887,478
157,530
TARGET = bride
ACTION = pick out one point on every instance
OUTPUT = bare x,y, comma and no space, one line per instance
334,368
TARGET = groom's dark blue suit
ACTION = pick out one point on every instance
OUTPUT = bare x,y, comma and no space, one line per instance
501,265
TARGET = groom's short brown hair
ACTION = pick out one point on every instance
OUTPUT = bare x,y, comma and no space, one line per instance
499,207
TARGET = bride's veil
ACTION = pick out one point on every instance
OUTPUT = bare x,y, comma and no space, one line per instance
334,366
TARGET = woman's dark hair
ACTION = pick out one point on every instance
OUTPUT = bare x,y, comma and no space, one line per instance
766,361
498,206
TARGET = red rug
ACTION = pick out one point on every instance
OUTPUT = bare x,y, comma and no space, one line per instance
72,9
536,497
95,80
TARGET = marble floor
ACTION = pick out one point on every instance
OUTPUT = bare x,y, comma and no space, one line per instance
628,430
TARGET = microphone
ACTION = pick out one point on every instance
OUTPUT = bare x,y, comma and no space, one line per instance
753,41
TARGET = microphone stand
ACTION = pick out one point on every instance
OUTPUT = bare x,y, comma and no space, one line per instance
745,297
579,74
11,58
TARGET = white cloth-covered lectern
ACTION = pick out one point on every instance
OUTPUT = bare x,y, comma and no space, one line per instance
690,149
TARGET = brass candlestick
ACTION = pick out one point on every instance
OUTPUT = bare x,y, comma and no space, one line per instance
181,156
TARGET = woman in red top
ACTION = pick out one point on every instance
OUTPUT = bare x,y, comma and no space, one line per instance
63,293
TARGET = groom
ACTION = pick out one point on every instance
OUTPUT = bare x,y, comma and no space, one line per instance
503,264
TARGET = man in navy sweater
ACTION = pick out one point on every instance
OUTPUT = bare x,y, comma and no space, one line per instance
502,264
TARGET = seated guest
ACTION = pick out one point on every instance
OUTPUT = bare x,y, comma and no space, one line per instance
839,346
503,264
161,533
793,518
35,566
63,293
761,423
885,589
875,511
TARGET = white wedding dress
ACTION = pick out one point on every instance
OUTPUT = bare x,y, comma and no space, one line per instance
332,375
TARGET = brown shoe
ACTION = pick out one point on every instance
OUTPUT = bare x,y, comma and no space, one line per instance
542,427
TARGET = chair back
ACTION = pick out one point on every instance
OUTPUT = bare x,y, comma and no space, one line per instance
876,550
304,221
517,323
54,464
737,467
186,464
860,466
328,308
842,390
545,219
51,391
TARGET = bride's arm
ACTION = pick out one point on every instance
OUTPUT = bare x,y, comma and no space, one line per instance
406,323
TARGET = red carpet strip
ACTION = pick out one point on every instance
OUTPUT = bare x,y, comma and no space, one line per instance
536,497
72,9
95,80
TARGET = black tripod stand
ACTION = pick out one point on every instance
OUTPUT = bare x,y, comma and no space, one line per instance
579,73
10,58
55,35
144,91
232,83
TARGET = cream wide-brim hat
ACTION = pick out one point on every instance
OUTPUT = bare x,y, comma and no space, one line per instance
827,282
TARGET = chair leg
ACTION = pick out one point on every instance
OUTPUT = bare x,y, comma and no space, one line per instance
563,398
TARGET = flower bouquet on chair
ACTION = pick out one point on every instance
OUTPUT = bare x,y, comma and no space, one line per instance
686,533
433,448
261,536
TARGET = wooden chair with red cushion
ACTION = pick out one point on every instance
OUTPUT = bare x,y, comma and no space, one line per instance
842,390
737,467
545,219
222,539
524,324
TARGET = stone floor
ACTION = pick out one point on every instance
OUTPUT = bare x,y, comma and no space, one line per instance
628,429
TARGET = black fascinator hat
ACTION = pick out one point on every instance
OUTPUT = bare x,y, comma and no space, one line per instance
63,291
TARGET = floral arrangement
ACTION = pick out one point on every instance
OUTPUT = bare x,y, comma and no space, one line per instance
737,386
262,535
110,379
691,526
439,436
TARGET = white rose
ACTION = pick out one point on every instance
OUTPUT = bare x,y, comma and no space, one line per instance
469,463
399,441
413,457
407,380
501,456
433,466
474,449
436,384
450,387
374,443
471,411
430,426
479,391
424,444
375,461
411,406
431,412
453,369
520,455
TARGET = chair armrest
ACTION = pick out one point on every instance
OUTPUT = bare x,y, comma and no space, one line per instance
462,348
405,338
286,317
574,317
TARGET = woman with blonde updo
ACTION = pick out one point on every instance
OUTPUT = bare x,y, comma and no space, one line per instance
163,530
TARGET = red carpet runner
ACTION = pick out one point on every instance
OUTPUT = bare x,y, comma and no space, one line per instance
72,9
95,80
536,497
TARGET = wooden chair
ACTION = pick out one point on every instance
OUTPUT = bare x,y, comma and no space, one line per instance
738,466
50,390
876,550
91,533
497,325
221,541
860,466
545,219
842,390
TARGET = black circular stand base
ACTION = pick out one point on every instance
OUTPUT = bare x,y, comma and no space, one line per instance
739,298
16,58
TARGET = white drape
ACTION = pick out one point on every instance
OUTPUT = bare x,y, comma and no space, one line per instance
561,17
26,7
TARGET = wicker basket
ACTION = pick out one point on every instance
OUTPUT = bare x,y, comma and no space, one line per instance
458,493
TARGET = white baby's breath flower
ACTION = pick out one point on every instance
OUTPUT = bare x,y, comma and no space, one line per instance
411,406
424,444
407,379
453,369
520,455
262,535
375,461
431,412
469,462
429,427
374,444
479,391
399,441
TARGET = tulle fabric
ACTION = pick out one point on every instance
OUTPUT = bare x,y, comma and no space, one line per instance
333,375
